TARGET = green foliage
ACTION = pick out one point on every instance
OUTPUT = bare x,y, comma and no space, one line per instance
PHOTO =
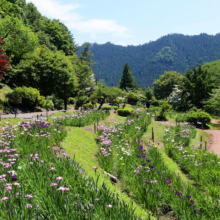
18,38
132,98
127,80
149,94
25,97
214,69
88,106
160,116
102,92
184,52
71,100
47,104
198,116
212,105
125,111
165,55
109,107
58,103
49,71
80,99
196,87
164,86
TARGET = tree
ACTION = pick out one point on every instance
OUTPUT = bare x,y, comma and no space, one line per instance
127,79
197,84
84,72
102,92
18,39
149,96
165,84
49,71
212,105
4,63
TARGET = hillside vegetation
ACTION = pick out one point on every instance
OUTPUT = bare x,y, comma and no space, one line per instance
175,52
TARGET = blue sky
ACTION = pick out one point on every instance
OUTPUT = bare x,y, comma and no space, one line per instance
132,22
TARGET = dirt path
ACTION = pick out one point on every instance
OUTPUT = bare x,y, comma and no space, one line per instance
30,115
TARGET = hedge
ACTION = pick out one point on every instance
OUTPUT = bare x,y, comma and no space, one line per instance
109,107
125,111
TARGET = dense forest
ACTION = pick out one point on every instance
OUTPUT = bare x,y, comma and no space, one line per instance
174,52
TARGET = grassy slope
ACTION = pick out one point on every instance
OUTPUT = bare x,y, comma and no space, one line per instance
84,145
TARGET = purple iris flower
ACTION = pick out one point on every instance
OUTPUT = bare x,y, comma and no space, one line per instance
14,178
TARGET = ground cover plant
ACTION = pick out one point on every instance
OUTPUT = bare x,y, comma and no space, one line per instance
38,185
82,144
201,166
146,178
83,118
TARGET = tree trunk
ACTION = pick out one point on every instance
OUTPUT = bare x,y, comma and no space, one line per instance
102,102
65,103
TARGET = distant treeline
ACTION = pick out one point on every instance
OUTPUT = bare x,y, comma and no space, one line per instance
175,52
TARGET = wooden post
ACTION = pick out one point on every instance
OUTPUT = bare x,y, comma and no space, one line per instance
95,128
205,145
153,134
37,116
201,142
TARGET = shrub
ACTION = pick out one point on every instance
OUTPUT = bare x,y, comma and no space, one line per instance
88,106
25,97
80,99
161,115
71,100
125,111
58,103
132,98
198,116
108,107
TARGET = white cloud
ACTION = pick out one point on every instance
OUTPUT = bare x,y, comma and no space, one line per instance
67,13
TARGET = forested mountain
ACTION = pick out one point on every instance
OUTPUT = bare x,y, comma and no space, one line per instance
175,52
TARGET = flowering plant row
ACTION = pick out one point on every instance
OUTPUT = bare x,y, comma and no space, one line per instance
143,174
201,166
83,118
35,184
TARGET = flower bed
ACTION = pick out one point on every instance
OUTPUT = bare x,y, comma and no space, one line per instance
35,184
82,118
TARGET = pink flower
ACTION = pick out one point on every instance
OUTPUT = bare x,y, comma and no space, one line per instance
53,184
8,188
52,168
63,188
109,206
4,198
95,168
28,205
29,195
37,206
59,178
97,199
31,163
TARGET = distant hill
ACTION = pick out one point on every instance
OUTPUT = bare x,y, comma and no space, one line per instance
148,61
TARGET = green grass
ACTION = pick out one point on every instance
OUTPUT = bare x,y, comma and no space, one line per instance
109,121
83,144
159,131
194,142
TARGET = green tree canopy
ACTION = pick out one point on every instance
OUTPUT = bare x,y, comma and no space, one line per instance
127,79
165,84
196,86
49,71
18,39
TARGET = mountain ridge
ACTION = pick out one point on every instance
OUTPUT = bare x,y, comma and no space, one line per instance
173,52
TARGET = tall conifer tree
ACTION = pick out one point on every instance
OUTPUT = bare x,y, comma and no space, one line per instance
127,79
